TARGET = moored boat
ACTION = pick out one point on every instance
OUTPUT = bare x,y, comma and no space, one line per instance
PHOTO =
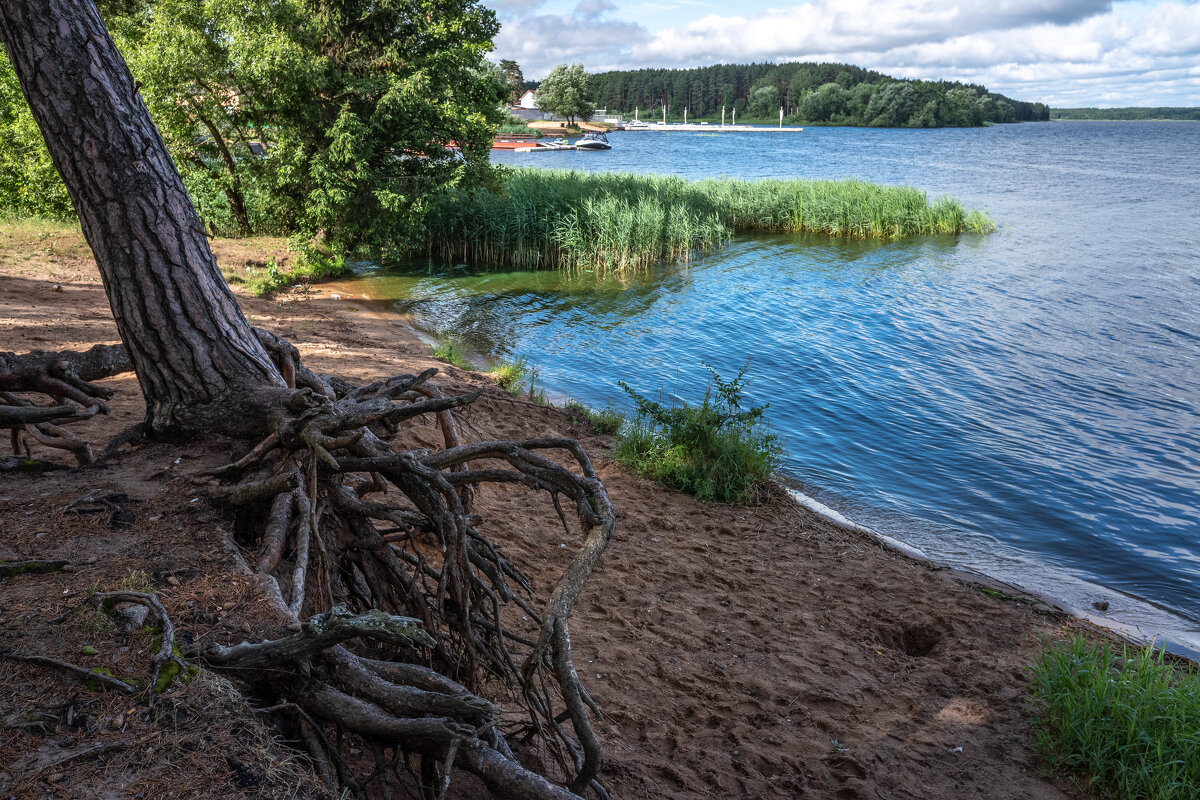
593,141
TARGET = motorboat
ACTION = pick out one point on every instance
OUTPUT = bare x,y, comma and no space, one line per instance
593,141
636,125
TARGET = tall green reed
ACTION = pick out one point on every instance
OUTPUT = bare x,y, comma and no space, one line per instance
613,222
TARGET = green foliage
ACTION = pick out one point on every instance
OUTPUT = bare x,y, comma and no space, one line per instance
453,354
331,121
605,421
310,265
566,92
519,126
614,222
512,374
1125,725
716,451
513,79
29,183
845,95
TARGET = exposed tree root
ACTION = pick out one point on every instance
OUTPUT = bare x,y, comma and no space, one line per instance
166,655
9,569
66,378
369,543
331,531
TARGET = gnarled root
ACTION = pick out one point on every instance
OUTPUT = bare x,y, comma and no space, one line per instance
384,545
66,378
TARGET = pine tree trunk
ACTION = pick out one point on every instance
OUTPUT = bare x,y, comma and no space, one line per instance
199,363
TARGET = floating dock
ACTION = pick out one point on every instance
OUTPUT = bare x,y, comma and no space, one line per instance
548,148
699,127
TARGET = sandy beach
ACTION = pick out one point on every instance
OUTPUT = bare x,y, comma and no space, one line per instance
735,652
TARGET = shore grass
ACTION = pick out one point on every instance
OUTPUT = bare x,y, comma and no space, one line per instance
1123,723
453,354
543,219
604,421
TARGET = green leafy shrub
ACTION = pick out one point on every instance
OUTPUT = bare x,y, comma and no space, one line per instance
716,451
309,266
1123,724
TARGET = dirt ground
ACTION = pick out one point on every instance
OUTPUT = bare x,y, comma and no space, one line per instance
736,652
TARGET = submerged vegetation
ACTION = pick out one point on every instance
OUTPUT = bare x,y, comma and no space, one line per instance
610,221
716,451
1123,724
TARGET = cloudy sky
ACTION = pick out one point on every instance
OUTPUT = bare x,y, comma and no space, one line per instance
1062,52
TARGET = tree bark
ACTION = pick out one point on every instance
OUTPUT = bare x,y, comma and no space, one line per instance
200,366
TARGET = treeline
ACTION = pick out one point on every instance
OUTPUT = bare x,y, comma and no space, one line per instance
834,94
1160,112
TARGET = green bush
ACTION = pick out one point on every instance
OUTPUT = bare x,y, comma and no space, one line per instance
716,451
309,266
1123,724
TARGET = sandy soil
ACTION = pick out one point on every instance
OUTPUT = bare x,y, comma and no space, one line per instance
736,652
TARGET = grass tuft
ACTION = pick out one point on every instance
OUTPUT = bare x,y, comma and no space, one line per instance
716,451
453,354
612,222
512,375
1123,724
605,421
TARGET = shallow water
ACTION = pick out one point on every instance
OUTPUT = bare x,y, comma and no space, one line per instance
1026,403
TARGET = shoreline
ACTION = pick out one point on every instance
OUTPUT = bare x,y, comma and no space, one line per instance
1126,631
736,651
1189,648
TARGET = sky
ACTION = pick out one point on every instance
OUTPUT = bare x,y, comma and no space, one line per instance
1066,53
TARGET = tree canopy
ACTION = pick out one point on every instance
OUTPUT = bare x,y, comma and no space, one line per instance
567,92
828,93
305,117
513,79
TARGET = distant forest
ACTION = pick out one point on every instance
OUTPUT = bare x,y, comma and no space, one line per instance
834,94
1163,112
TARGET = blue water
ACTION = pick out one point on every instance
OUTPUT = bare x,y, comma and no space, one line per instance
1025,403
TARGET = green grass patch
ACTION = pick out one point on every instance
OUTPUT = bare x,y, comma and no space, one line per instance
452,353
605,421
309,266
1123,723
717,450
519,127
542,219
512,375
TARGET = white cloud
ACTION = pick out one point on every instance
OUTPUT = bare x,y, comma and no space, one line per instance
591,9
1064,52
540,42
508,9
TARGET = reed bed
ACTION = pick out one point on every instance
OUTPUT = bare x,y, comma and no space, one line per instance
613,222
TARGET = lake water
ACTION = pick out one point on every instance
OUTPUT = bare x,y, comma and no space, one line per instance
1025,404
